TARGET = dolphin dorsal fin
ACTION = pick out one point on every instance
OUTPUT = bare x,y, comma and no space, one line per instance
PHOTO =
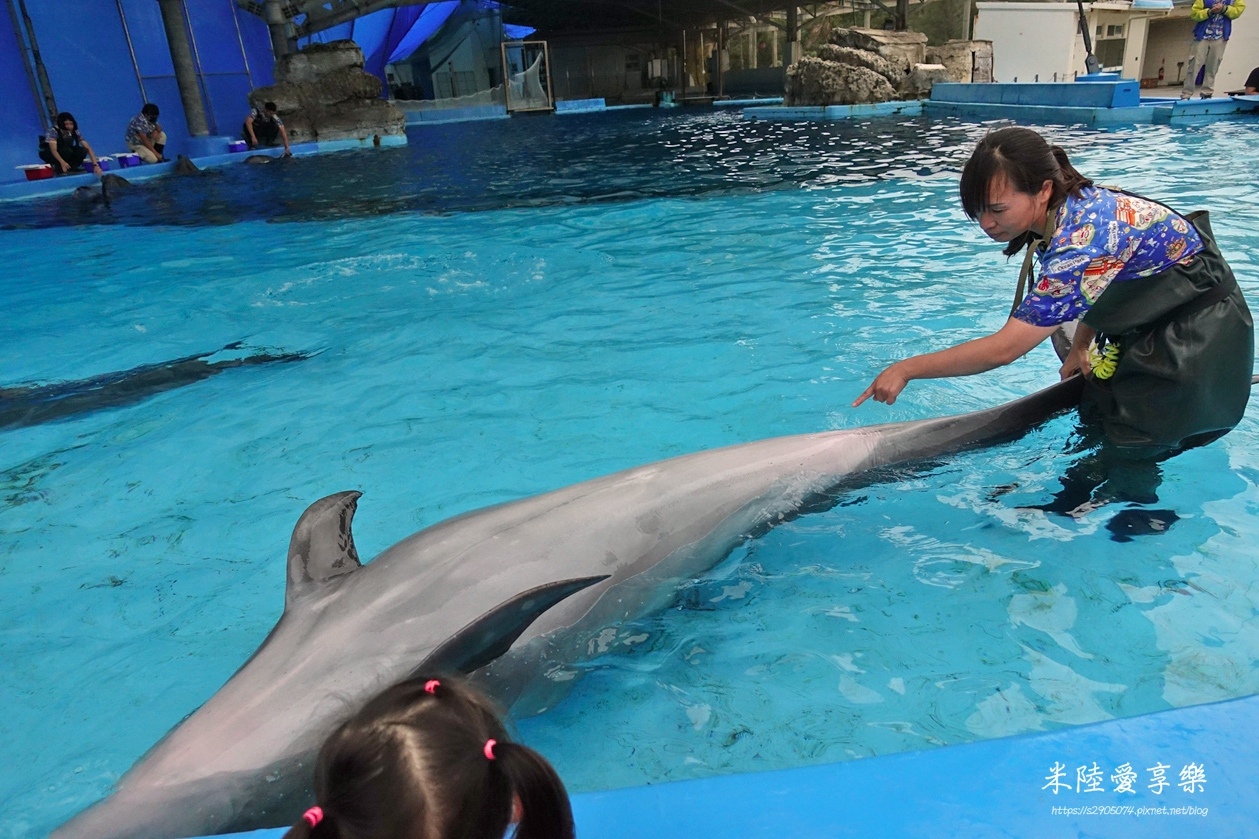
322,547
492,634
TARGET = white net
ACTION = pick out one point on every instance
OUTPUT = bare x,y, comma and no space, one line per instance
493,96
526,87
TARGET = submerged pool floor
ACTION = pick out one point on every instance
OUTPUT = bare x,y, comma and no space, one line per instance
542,319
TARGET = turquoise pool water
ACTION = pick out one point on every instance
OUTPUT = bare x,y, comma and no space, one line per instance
595,293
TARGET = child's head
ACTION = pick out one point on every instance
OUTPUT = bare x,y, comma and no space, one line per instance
430,759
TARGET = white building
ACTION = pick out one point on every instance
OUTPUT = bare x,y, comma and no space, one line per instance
1041,41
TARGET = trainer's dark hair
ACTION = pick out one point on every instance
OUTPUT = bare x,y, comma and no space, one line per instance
1024,158
412,764
150,110
270,106
63,116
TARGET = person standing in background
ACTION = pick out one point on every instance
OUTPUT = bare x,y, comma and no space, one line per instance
1210,37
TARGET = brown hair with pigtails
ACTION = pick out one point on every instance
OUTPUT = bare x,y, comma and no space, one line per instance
430,758
1026,161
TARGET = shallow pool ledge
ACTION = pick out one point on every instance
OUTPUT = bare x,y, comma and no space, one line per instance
910,107
65,184
1060,783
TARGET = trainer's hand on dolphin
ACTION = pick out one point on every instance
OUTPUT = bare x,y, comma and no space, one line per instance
1077,360
886,386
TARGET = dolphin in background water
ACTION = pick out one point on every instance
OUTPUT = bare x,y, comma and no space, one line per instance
32,404
496,592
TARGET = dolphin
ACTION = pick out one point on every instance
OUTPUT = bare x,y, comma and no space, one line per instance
185,166
110,185
24,405
493,592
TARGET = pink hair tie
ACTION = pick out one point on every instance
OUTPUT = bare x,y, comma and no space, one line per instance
489,749
313,816
431,686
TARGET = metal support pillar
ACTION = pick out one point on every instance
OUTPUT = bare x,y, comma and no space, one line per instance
185,67
682,68
793,35
722,59
902,15
277,25
38,74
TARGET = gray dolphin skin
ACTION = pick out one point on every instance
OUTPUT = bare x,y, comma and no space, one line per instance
541,575
25,405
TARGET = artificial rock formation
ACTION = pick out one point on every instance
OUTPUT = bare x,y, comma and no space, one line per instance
323,93
816,81
965,61
862,66
859,58
869,66
901,49
919,80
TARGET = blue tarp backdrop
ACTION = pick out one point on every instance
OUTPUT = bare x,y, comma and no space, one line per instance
111,56
22,122
389,35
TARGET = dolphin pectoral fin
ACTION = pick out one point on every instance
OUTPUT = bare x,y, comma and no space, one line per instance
322,547
1062,339
492,634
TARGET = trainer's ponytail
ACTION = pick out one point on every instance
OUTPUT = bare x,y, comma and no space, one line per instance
1071,181
545,809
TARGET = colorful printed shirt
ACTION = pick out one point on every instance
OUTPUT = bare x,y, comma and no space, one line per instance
1100,238
1215,27
257,115
54,135
139,125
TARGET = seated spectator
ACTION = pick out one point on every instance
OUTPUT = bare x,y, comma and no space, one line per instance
1252,82
145,137
430,758
64,147
263,126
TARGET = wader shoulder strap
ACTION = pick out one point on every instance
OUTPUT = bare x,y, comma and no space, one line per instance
1025,273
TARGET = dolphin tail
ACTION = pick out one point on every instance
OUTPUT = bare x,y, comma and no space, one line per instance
492,634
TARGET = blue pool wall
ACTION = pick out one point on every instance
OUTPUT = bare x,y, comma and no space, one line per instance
98,76
1104,100
1122,93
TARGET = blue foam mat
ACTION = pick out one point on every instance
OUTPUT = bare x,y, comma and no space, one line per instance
995,788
